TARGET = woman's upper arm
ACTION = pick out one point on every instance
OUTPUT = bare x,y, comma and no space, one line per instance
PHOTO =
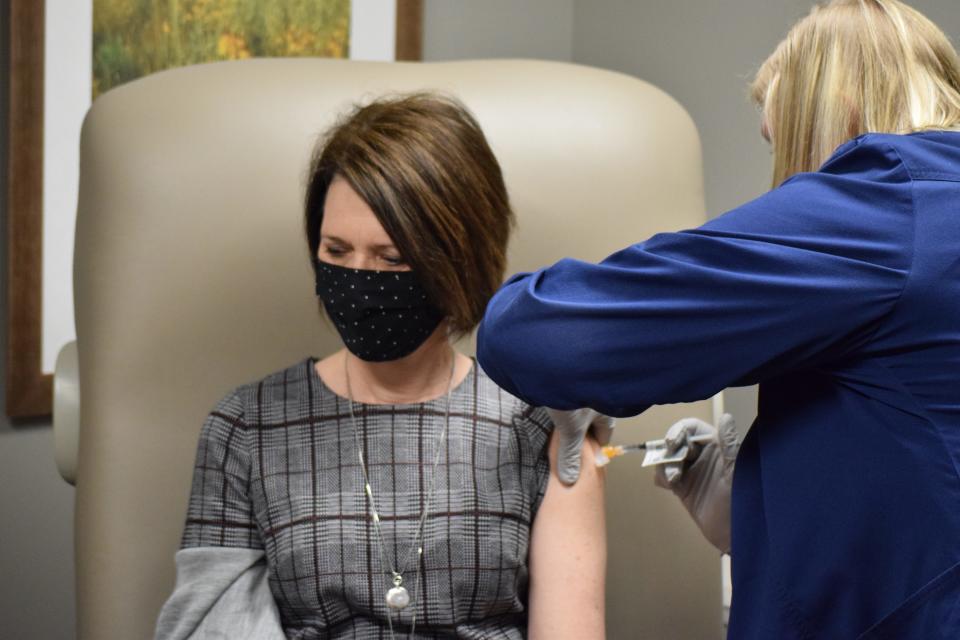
220,511
568,554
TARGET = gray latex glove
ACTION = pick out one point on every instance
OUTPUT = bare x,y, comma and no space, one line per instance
704,479
572,427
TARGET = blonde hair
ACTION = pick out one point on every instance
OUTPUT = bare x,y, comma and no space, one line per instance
852,67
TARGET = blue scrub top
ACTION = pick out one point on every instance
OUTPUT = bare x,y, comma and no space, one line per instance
839,293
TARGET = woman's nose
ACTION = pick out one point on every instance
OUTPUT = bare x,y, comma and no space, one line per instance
361,260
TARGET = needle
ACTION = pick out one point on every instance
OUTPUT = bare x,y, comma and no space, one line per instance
611,451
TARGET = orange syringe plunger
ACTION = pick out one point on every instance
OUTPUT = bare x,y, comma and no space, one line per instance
611,451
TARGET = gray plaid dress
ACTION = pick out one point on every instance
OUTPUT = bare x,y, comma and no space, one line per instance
277,470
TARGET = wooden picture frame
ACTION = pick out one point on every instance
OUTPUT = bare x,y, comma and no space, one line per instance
29,388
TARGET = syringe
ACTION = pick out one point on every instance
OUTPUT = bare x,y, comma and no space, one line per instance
656,450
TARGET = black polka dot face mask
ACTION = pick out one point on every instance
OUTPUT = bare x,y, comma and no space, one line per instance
381,315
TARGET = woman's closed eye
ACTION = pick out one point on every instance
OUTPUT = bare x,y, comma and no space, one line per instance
335,249
393,260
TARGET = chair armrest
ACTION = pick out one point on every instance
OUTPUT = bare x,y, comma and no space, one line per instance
66,411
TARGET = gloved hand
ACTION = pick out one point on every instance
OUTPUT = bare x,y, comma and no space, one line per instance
572,427
704,479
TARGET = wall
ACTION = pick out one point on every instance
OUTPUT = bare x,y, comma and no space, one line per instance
464,29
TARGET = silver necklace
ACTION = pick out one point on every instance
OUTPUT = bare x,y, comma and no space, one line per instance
397,597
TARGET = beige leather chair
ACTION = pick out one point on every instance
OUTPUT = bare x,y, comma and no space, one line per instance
192,277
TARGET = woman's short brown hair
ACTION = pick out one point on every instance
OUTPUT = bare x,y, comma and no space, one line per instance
423,165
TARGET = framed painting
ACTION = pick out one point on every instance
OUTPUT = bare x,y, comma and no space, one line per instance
63,53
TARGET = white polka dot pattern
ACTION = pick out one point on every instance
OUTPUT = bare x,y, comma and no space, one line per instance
380,315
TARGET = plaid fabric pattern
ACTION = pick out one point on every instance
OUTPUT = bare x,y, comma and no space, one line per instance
277,468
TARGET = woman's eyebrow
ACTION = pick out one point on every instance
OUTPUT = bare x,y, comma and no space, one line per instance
378,247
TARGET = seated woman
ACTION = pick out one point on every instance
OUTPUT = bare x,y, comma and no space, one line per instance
391,489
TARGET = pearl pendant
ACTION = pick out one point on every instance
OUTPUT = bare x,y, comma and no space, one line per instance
398,598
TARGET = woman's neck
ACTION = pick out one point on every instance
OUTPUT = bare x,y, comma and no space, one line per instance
423,375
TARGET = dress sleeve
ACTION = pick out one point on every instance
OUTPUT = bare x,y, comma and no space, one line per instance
791,280
535,428
220,512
